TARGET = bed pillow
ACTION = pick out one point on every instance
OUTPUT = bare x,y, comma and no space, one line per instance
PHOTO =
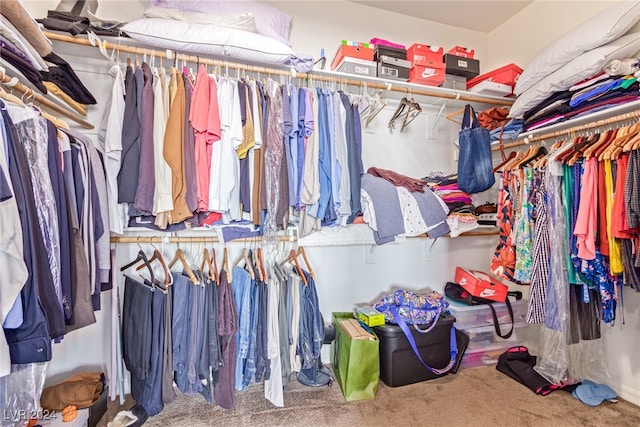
208,40
596,31
270,21
240,21
583,67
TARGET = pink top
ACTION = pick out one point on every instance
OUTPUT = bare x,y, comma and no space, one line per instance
587,219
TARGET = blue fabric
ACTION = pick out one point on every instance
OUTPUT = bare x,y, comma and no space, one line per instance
432,212
241,288
511,130
386,206
311,335
5,188
324,157
250,361
180,332
354,153
300,148
475,171
292,153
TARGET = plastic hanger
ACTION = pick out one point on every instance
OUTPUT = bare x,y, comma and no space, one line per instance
157,256
179,256
141,257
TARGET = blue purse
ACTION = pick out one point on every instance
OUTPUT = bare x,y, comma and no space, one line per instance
475,168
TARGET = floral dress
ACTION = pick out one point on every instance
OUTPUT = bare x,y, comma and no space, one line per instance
503,262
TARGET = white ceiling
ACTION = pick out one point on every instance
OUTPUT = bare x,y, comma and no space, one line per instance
477,15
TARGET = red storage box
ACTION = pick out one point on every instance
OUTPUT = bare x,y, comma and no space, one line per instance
481,285
352,50
430,75
507,75
422,54
462,51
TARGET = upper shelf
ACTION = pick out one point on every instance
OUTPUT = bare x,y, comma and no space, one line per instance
128,45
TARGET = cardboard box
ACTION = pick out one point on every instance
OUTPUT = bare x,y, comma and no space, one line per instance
393,68
430,75
422,54
462,51
455,82
357,66
352,50
461,66
370,316
355,330
392,52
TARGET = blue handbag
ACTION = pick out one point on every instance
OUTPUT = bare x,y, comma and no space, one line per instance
475,168
406,307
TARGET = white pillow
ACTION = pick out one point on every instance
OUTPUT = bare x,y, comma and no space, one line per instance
240,21
270,21
208,40
583,67
596,31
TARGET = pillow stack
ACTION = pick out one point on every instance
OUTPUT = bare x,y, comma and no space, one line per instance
578,55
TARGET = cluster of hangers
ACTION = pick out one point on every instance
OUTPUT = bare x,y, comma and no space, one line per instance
252,261
29,97
406,112
604,144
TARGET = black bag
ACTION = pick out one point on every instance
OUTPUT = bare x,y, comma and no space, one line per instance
457,293
475,168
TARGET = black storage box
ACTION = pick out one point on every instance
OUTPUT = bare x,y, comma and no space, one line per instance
98,409
398,363
461,66
393,68
392,52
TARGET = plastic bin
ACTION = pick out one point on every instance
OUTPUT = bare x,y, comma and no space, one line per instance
507,75
482,357
485,337
475,316
398,363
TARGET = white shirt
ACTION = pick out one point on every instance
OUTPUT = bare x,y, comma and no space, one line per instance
110,140
273,386
162,196
311,175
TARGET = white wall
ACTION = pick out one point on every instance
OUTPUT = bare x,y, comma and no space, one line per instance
348,275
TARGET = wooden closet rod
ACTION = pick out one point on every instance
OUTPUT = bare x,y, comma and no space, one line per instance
257,69
189,239
41,101
573,130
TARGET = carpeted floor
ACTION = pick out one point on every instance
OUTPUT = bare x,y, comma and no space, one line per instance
473,397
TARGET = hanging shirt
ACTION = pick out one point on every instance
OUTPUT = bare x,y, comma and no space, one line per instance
241,287
129,167
273,386
189,158
343,207
174,150
162,197
199,116
146,175
615,256
110,140
586,224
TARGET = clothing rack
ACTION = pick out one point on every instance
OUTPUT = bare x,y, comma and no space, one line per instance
41,101
436,92
191,239
575,130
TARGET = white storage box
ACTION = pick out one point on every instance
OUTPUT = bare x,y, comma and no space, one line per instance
357,66
475,316
492,88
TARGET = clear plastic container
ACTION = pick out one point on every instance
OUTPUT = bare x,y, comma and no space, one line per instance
475,316
485,337
482,357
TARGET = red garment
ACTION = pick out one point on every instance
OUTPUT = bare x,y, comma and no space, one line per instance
399,180
619,224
